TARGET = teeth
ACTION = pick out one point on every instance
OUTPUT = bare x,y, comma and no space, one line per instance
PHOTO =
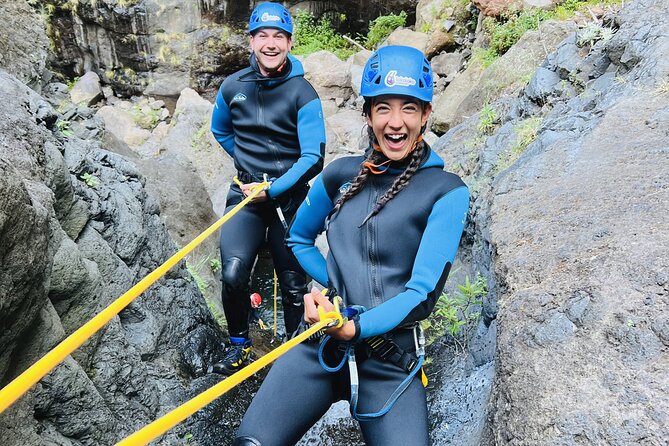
395,137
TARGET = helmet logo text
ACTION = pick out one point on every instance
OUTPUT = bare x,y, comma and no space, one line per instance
394,80
267,17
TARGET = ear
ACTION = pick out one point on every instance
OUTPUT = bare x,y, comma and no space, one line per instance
290,44
426,114
251,43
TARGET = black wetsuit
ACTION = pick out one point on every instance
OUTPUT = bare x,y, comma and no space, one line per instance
395,265
273,127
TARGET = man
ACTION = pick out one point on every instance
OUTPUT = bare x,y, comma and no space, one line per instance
269,119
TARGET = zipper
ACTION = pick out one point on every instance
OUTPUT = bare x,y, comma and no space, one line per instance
270,144
372,251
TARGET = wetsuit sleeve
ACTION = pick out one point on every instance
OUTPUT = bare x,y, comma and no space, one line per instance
221,124
436,252
308,223
311,135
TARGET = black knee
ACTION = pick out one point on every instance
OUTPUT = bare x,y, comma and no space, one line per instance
246,441
293,288
236,277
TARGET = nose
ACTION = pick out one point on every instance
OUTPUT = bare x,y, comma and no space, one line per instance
395,119
271,42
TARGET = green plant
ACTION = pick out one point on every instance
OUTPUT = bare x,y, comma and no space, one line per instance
194,271
199,139
215,264
311,36
425,27
71,83
484,56
593,32
382,26
63,126
126,3
487,119
90,180
456,314
145,116
504,33
526,133
663,87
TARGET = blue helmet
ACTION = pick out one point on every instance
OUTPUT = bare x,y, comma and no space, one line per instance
270,15
397,70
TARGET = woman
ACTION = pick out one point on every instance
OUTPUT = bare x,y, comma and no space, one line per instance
394,221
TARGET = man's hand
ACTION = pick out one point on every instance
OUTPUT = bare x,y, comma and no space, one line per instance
247,189
315,299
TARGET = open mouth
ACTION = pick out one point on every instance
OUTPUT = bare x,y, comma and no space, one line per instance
395,139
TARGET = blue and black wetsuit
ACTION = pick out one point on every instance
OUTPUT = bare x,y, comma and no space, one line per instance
270,126
395,265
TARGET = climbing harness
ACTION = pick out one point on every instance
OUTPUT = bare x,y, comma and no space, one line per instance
331,319
384,348
22,383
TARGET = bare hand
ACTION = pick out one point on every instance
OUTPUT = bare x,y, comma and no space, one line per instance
315,299
247,189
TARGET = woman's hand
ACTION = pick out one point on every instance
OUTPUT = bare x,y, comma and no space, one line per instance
247,189
315,299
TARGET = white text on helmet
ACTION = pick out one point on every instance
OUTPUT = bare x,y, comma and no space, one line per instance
392,80
267,17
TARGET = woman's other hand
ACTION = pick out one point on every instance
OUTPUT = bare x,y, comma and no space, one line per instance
315,299
247,189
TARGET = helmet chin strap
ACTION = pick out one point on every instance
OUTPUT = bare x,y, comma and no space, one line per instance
381,168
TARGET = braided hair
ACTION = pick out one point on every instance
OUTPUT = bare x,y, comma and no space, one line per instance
376,157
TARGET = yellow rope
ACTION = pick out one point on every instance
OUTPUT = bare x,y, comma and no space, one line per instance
21,384
275,281
174,417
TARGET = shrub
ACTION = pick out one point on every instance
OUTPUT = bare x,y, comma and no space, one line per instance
457,314
311,36
382,26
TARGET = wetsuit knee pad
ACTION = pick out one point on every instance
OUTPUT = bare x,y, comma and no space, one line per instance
293,287
235,276
246,441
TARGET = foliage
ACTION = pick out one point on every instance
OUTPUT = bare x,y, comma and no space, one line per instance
487,119
90,180
194,271
504,32
526,133
64,128
456,314
382,26
215,264
484,56
199,140
311,36
145,116
502,35
71,83
593,32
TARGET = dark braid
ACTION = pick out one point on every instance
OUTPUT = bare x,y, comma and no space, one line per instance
401,181
359,181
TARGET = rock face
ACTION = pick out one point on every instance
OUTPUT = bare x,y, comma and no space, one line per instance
571,234
583,316
77,230
23,43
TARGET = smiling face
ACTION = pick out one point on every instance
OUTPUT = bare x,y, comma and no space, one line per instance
271,47
396,122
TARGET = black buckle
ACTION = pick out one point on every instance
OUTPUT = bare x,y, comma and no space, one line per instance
246,177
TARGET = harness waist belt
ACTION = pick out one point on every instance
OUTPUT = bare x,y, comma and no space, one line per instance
385,348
